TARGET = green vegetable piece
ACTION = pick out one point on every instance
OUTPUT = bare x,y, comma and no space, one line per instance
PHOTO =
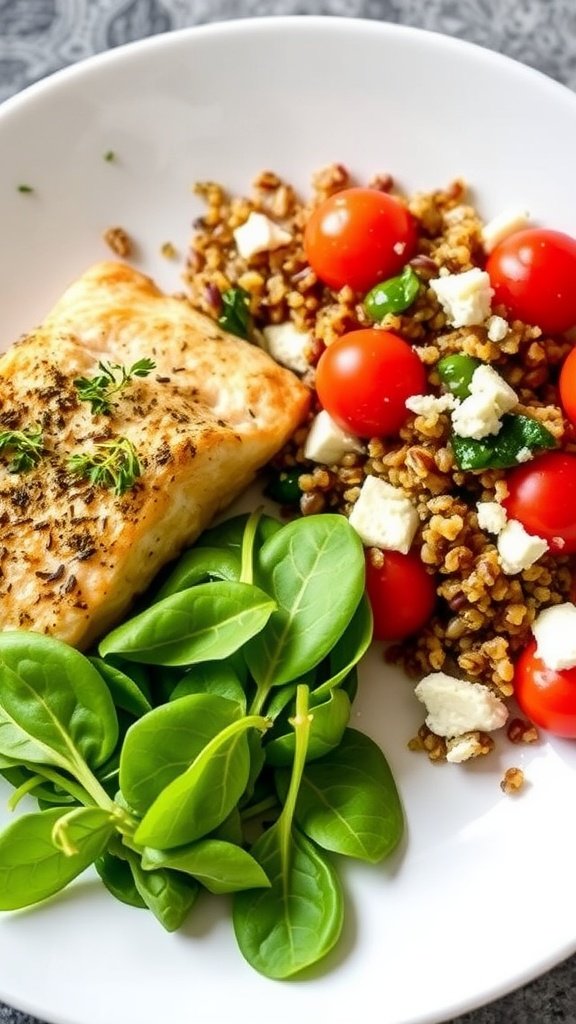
32,867
230,830
297,566
54,707
235,316
284,487
329,721
200,565
124,691
230,533
205,623
211,677
203,796
117,876
456,372
219,866
500,451
24,448
168,894
348,801
392,296
165,742
347,651
294,923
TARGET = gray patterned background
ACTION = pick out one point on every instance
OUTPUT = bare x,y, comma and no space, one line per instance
39,36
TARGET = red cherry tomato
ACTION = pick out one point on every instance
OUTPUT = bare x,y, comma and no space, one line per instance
542,496
567,386
358,237
533,273
401,593
547,696
364,378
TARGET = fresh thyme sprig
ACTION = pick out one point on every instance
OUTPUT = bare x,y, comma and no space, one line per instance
100,390
25,448
111,464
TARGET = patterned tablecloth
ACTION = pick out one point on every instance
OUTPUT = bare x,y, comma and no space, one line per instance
39,36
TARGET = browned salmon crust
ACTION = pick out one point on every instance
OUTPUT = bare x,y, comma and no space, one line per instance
212,412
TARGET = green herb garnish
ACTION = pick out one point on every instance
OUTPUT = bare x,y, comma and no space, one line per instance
111,464
235,315
110,156
24,447
517,435
25,188
100,390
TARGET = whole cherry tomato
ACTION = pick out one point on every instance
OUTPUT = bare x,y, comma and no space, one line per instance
358,237
364,378
547,696
533,274
567,386
401,593
542,496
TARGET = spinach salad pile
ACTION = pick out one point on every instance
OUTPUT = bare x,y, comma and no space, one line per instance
206,745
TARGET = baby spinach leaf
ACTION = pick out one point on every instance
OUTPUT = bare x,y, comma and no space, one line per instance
348,801
229,533
329,721
170,895
216,677
230,830
33,868
165,742
117,876
124,691
294,923
205,623
54,707
198,800
219,866
198,566
283,929
347,651
297,566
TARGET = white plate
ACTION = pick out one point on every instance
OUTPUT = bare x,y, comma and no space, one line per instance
481,897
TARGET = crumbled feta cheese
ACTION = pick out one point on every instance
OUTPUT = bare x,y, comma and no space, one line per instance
506,223
517,549
465,298
498,328
462,748
524,455
457,706
490,397
491,516
259,234
327,442
429,405
555,633
288,346
384,517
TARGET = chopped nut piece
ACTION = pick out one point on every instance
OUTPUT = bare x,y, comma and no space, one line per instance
119,242
513,780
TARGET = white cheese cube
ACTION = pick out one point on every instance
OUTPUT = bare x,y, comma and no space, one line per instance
457,706
506,223
498,328
259,234
491,516
327,442
465,298
517,549
288,346
555,633
384,517
490,397
429,405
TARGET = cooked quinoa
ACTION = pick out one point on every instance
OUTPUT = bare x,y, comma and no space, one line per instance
483,616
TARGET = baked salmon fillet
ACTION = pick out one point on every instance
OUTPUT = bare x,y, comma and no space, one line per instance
74,553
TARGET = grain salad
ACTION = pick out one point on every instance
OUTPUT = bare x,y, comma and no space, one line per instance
436,486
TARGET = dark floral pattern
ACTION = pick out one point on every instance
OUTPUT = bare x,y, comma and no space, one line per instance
39,36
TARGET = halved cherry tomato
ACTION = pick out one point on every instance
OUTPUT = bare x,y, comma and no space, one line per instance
533,273
542,496
358,237
547,696
401,593
567,386
364,378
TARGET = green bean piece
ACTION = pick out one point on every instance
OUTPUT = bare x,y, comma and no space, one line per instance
392,296
456,372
